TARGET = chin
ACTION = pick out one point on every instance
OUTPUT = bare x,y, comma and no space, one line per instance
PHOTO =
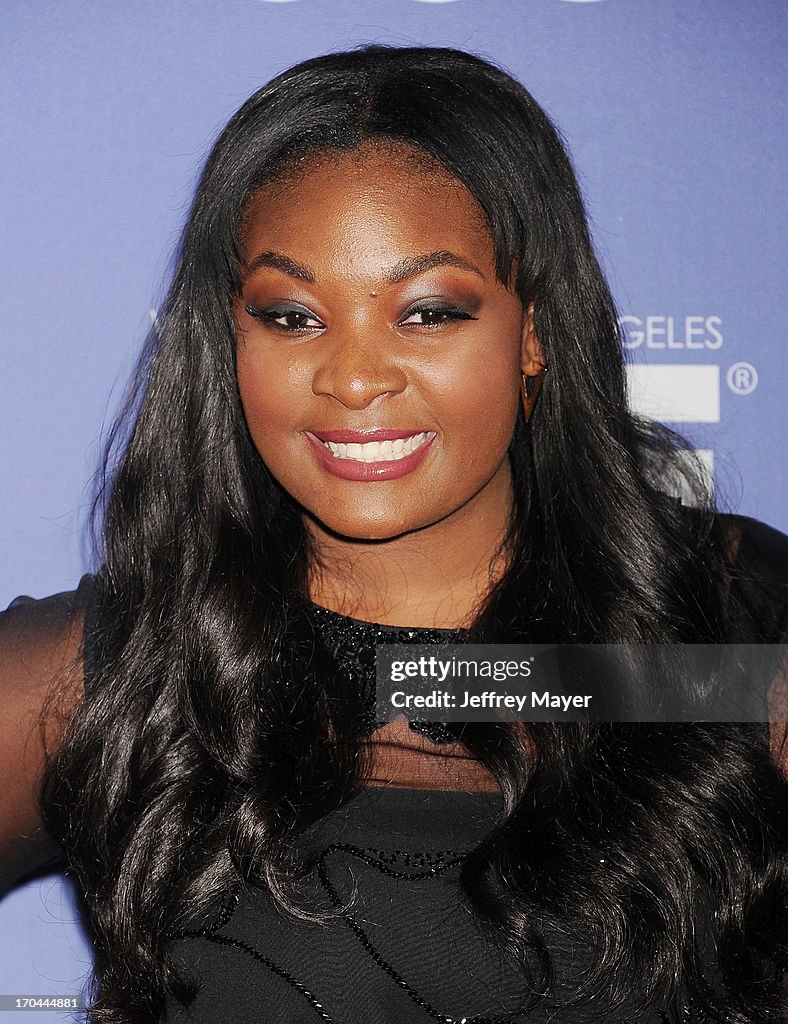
360,528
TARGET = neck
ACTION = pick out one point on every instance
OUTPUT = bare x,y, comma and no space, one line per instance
436,577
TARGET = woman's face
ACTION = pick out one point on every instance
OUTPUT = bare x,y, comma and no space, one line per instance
378,356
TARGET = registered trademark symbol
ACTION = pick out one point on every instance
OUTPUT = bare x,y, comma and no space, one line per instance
742,378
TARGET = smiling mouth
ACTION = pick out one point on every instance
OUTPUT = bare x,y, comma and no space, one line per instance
378,451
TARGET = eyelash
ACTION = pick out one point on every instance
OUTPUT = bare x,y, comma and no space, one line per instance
270,316
450,313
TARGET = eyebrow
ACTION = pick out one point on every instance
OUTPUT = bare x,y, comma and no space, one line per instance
280,262
414,265
401,271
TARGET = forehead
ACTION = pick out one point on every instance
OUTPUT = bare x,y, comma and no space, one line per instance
391,192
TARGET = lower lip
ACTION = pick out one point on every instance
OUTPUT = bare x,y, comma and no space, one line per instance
350,469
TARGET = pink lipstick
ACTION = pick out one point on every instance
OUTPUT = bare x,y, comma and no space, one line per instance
366,455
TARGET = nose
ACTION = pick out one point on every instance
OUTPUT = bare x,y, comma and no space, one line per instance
358,369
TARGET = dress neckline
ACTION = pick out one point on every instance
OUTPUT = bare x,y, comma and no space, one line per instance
319,611
423,763
351,644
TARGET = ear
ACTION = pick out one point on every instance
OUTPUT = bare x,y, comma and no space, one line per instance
532,360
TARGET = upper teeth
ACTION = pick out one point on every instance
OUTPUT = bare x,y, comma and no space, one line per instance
377,451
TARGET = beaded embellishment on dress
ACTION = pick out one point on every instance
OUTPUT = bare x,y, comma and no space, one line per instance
392,875
351,643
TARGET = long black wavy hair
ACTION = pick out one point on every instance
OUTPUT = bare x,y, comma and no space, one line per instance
189,769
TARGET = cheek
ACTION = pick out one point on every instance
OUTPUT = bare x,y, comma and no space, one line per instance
255,401
265,415
482,400
265,390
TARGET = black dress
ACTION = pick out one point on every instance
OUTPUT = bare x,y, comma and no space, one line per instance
409,949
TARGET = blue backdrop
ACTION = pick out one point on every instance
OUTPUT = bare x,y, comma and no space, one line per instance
675,115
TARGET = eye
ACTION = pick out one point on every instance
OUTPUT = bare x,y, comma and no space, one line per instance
433,316
289,319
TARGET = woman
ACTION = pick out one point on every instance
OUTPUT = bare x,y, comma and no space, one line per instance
336,437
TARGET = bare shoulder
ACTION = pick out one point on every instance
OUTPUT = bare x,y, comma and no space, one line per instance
41,681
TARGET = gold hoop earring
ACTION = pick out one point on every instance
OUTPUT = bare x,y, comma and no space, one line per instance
529,400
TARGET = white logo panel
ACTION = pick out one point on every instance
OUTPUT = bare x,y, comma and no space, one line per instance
674,393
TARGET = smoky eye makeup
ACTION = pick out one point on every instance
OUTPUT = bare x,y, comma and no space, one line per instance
291,317
435,312
429,313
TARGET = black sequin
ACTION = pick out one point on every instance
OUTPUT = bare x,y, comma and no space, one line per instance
352,644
